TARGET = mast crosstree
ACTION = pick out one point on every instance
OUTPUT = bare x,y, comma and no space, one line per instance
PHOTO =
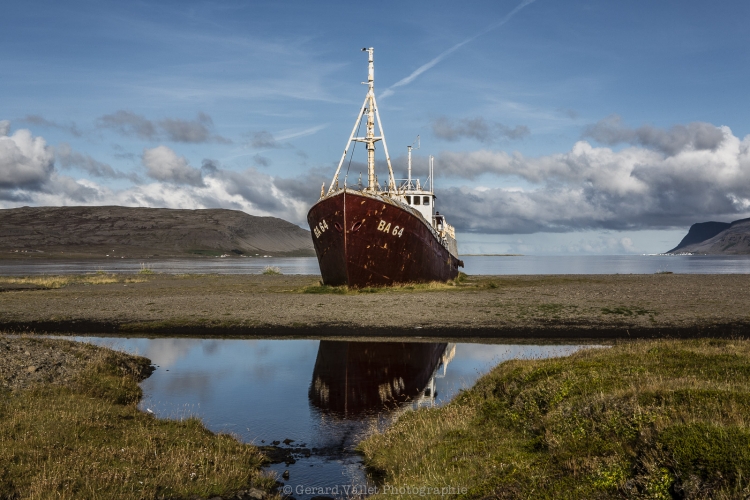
370,107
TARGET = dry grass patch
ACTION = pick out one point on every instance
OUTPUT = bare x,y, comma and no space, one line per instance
59,281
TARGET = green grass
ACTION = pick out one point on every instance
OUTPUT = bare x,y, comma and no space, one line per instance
462,282
145,269
271,270
650,419
87,439
626,311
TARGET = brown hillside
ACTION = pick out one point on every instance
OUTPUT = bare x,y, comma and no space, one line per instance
62,232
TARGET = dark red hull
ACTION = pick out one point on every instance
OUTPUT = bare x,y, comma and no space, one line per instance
357,378
364,240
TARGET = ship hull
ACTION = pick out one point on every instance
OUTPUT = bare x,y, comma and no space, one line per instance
357,378
369,240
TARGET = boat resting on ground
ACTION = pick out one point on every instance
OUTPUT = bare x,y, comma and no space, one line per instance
372,236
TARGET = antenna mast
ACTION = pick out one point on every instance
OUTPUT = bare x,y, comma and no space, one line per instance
409,162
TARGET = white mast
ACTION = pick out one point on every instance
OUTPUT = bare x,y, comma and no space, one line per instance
370,105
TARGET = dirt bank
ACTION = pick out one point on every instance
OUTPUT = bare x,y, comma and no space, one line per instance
583,306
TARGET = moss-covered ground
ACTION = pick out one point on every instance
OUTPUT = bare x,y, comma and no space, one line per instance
85,438
648,419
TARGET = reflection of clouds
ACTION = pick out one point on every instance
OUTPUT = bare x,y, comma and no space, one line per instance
166,352
263,372
498,353
200,383
262,350
210,347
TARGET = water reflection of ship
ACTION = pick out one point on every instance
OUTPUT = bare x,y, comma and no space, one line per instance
353,379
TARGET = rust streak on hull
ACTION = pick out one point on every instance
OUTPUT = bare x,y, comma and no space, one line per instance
365,240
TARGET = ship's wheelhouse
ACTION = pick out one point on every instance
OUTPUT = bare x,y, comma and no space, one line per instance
423,202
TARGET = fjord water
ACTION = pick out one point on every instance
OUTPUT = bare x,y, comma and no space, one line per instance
324,395
495,265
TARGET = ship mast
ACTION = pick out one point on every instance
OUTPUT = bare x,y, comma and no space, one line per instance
370,106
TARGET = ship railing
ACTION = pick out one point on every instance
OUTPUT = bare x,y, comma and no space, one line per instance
406,185
444,229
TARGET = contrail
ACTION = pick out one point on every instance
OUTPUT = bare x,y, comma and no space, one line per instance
440,57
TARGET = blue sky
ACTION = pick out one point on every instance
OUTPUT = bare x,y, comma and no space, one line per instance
557,127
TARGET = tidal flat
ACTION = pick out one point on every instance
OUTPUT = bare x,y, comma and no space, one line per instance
298,306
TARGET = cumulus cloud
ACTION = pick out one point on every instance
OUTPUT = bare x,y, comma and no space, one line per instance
4,127
695,136
595,187
28,176
209,167
163,164
26,162
172,129
70,128
476,128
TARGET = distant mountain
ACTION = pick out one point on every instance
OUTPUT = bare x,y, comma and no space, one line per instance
716,238
146,232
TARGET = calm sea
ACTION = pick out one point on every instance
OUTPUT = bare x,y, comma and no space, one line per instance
601,264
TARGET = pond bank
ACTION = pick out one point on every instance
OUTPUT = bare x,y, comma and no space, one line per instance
645,419
510,307
70,428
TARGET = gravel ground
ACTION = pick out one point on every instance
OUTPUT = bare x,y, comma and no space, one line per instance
584,306
26,361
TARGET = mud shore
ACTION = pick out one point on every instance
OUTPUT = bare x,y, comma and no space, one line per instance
482,307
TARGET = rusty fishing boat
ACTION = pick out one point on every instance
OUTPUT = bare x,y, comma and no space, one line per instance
354,379
372,235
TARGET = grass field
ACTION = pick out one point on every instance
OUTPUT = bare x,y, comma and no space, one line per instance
648,419
87,439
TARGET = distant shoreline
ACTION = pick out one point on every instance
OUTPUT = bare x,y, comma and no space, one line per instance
492,255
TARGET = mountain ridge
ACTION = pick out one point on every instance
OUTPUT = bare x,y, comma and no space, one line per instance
716,238
136,232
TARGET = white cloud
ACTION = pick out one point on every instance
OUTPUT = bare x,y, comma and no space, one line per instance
163,164
596,187
25,161
28,176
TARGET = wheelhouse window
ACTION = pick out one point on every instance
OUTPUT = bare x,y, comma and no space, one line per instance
408,200
416,200
425,200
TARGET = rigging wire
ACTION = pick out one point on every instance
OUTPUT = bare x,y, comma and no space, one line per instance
351,157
